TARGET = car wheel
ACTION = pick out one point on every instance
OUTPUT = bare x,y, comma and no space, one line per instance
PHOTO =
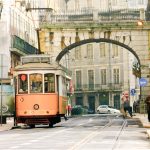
109,111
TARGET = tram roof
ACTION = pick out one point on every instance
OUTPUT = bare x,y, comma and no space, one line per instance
39,58
40,62
41,66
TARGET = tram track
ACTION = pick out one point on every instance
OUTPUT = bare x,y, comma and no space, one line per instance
100,130
89,133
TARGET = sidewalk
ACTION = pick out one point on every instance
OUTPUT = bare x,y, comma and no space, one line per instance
144,121
9,124
143,118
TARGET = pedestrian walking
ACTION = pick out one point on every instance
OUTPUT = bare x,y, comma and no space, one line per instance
147,101
127,107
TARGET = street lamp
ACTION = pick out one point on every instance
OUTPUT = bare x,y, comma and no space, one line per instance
1,7
1,68
140,23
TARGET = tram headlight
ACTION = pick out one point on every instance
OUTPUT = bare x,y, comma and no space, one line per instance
36,106
21,99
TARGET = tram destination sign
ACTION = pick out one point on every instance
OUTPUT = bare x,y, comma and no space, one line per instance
142,82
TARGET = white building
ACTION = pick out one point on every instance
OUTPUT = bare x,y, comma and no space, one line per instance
62,5
137,4
17,37
101,72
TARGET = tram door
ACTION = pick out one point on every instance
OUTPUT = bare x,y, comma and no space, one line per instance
117,101
91,101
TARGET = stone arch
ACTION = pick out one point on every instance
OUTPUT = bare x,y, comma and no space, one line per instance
68,48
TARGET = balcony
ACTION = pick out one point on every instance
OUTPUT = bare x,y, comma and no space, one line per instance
131,15
98,87
20,46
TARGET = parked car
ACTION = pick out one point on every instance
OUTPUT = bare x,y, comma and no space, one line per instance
105,109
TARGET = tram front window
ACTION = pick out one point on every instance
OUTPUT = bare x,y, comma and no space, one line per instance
22,83
49,83
36,85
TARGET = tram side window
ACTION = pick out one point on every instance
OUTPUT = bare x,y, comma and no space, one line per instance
36,85
49,82
22,83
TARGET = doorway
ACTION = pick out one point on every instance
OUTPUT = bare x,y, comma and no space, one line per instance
117,101
91,101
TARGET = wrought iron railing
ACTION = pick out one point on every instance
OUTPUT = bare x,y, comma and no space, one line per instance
98,87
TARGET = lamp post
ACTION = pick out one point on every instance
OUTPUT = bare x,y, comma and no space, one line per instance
1,68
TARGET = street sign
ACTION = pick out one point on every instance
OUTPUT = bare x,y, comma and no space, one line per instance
142,82
133,91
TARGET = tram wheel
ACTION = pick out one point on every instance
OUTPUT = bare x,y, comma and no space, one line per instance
32,125
51,125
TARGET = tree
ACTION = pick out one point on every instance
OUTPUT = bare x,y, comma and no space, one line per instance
136,70
148,11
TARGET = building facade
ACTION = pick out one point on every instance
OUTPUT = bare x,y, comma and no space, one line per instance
101,72
18,37
85,5
18,34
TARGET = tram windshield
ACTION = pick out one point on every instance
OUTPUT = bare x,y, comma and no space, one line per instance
36,83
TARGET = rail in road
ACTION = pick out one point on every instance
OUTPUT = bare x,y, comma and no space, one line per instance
97,132
102,130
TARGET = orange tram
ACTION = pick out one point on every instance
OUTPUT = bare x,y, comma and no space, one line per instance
40,91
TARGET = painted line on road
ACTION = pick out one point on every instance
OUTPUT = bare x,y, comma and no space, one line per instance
14,147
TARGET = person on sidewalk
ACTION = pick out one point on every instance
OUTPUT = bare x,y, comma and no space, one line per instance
147,101
127,107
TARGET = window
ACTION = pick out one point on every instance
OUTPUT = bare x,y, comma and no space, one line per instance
103,76
116,76
115,50
102,50
49,83
64,86
36,85
78,53
115,47
91,78
90,51
89,3
141,2
78,79
114,2
22,83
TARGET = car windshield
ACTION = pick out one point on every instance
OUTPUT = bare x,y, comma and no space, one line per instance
103,106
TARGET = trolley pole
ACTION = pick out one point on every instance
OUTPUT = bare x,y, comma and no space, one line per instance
1,87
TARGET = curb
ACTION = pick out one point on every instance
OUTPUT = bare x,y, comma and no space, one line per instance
148,133
15,127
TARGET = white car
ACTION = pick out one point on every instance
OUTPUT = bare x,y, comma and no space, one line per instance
105,109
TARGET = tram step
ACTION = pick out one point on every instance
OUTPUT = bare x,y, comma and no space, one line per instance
37,121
